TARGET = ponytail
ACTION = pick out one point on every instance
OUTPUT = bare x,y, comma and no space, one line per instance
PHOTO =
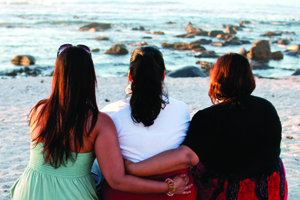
147,98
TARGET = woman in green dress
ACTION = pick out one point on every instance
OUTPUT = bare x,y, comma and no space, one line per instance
68,131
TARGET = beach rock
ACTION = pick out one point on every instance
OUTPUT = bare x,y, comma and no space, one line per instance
190,29
185,36
141,28
261,50
199,33
95,50
233,42
24,60
167,45
118,49
244,22
230,30
202,41
270,34
289,33
146,37
157,33
25,71
181,46
283,41
297,73
215,33
206,54
196,47
140,44
277,55
206,67
218,44
94,26
102,38
189,71
243,51
170,23
245,41
224,36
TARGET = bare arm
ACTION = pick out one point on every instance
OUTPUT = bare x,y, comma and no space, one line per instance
111,163
167,161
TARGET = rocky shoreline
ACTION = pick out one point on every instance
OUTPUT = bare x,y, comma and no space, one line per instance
259,54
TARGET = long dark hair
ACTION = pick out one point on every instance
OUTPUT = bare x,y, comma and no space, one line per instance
230,77
147,69
64,116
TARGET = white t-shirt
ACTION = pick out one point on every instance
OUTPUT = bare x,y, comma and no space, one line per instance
138,142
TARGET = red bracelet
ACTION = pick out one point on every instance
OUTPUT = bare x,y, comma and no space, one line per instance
171,185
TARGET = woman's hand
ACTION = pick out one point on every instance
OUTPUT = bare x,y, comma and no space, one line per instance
181,184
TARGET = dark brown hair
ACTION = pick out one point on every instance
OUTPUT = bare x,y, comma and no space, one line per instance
230,77
64,116
147,98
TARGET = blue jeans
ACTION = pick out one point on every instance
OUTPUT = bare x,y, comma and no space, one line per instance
97,175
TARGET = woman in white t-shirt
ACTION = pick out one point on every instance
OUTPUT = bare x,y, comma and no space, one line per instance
148,122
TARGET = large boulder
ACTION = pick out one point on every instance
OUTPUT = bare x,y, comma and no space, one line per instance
189,71
214,33
24,60
118,49
261,51
94,26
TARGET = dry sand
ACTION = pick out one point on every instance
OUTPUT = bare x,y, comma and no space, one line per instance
18,95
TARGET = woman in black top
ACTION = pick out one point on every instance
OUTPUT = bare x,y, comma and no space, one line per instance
237,141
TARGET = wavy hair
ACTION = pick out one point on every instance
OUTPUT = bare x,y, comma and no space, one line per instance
147,70
230,77
64,116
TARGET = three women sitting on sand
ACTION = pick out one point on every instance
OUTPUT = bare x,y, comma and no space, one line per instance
237,140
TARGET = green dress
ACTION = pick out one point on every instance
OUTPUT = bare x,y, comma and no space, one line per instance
42,181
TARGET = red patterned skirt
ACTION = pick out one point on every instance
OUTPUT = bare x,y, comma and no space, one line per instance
264,187
107,193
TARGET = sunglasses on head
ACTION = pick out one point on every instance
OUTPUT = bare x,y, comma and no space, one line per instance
64,46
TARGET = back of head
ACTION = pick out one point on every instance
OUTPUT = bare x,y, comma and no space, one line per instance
147,70
72,100
231,77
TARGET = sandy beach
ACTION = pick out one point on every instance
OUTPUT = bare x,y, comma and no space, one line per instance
18,95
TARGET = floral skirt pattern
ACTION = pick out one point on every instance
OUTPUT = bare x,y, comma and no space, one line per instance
213,186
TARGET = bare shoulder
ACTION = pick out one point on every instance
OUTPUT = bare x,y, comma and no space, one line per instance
104,122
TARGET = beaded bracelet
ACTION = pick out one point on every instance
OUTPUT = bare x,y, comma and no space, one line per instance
171,185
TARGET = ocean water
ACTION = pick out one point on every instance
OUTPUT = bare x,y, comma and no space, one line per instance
39,27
